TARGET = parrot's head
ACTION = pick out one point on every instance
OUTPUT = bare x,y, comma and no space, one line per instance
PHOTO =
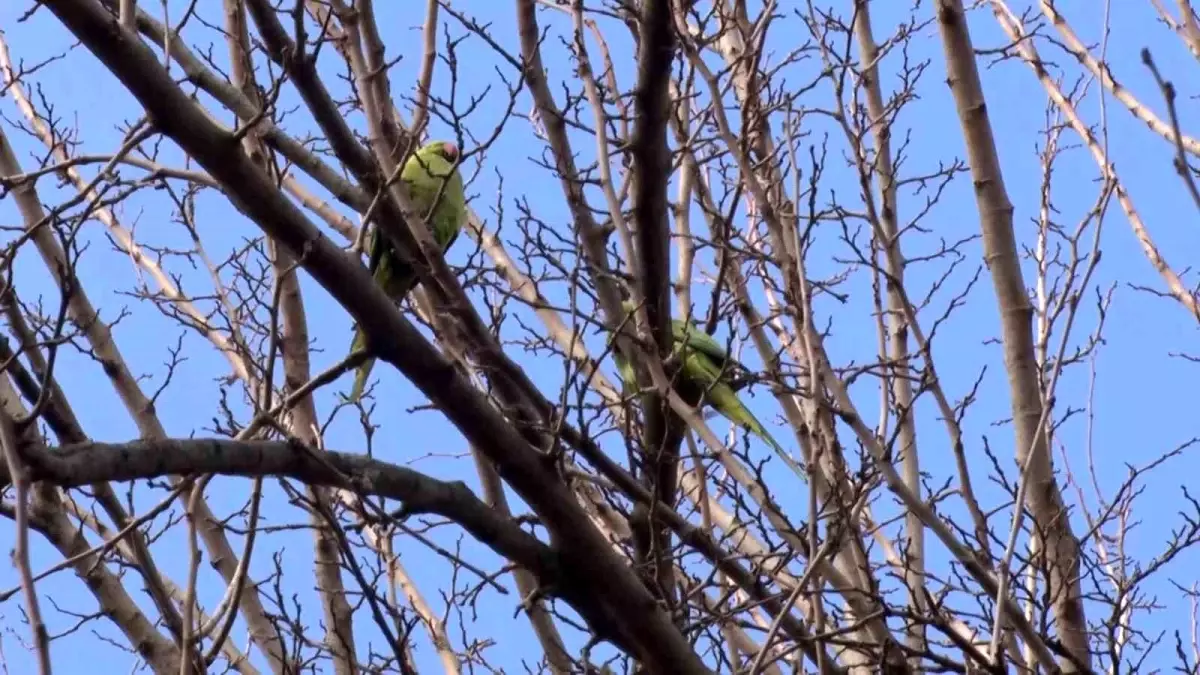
447,150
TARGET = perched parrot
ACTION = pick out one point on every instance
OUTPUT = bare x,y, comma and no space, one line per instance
423,174
705,369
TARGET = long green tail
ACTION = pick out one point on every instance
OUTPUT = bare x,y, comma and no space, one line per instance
396,279
364,370
779,451
732,408
744,418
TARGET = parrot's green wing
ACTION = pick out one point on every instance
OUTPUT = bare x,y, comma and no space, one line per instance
690,336
696,339
424,174
704,372
708,368
625,370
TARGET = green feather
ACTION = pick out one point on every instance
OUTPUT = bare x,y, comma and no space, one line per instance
707,368
444,209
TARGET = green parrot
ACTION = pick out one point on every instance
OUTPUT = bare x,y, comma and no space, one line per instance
705,369
424,174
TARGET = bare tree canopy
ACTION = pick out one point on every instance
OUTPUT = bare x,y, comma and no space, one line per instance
760,321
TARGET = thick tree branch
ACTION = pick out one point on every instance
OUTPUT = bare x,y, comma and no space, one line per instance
80,464
1045,499
652,169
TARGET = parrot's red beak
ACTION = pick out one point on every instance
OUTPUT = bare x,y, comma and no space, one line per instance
450,151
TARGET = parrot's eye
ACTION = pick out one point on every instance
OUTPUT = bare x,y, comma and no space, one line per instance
449,151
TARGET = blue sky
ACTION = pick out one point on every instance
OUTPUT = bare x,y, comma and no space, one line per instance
1141,406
